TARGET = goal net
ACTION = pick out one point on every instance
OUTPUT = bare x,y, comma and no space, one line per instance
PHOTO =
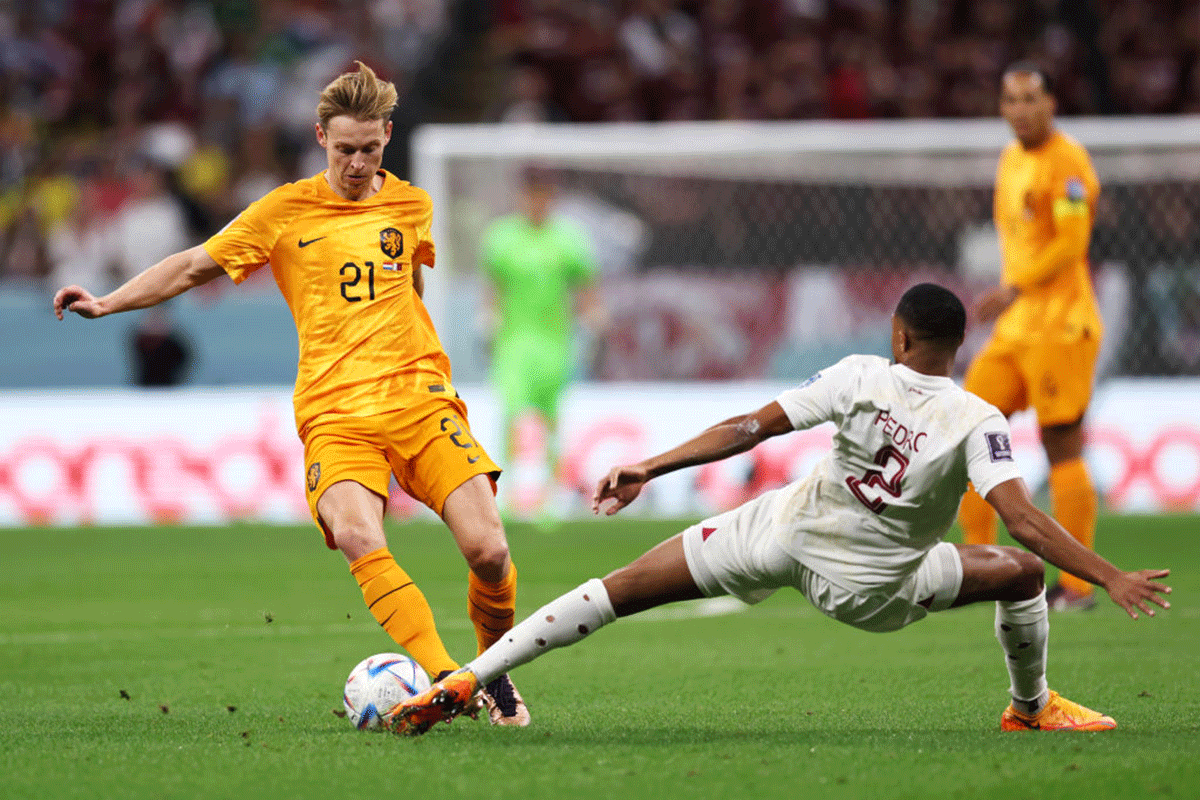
751,251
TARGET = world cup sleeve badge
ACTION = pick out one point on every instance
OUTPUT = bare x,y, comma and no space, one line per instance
1076,191
999,447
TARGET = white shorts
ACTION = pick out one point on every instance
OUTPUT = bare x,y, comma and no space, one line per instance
738,553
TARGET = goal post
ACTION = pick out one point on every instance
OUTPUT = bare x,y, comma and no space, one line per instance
799,234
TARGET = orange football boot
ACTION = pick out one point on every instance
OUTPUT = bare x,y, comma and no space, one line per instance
1059,714
445,700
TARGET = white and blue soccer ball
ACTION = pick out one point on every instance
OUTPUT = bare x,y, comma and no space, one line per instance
378,685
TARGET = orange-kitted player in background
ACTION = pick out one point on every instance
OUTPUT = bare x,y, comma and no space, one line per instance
1043,349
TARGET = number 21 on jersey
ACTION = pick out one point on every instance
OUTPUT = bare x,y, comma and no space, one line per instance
353,274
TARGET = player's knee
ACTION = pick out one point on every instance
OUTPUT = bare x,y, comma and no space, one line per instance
356,539
1028,573
488,557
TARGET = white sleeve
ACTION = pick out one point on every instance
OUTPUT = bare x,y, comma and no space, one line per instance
817,400
989,454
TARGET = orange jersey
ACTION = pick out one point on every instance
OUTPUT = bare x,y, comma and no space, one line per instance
1045,203
367,344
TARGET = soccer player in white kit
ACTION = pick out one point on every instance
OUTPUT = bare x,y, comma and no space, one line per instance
860,537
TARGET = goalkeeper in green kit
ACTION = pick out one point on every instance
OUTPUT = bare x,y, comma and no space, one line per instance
542,274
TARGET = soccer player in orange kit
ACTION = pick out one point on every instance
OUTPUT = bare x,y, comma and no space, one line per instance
1043,348
373,394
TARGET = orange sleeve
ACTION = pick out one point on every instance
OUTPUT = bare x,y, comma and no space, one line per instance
998,191
424,252
245,244
1068,247
1074,189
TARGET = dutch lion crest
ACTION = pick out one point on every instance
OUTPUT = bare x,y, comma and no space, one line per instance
314,476
391,242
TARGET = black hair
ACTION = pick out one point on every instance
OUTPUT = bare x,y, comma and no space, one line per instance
1031,68
933,312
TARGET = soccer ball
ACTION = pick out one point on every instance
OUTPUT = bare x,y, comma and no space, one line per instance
377,685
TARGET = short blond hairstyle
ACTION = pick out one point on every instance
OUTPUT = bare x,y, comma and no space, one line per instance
361,95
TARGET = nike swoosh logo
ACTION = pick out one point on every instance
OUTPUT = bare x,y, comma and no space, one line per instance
472,460
303,243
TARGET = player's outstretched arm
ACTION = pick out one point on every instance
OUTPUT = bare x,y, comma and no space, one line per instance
173,275
725,439
1039,532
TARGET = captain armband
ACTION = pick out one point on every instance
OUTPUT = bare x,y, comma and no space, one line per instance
1064,207
1074,201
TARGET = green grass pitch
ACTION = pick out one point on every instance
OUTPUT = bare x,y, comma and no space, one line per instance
207,663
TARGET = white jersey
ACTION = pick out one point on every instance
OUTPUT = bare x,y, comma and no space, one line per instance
905,447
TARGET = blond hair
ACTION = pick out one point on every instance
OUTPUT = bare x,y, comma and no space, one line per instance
361,95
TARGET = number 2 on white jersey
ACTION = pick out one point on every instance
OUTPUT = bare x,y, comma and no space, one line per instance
890,461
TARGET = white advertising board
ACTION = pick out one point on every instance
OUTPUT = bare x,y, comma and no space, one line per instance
207,457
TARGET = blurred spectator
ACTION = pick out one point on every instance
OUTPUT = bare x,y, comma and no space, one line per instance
22,248
259,167
527,96
80,250
161,354
18,149
150,208
404,28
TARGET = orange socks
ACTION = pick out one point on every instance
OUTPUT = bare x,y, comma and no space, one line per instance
1073,499
977,518
401,608
491,606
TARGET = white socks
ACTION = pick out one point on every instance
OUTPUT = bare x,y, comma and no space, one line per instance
560,622
1023,629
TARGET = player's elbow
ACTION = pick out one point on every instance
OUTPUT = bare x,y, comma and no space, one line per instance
749,432
200,269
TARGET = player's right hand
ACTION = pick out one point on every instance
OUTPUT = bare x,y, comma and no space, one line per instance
622,484
78,300
1134,590
993,303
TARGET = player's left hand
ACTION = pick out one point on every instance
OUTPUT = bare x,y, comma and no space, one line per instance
1134,590
622,484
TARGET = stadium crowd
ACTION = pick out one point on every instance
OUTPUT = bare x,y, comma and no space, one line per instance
842,59
122,116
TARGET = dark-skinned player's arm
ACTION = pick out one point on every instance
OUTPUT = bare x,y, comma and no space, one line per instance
172,276
726,438
1043,536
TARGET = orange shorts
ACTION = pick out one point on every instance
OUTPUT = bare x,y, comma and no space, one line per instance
1053,377
429,449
